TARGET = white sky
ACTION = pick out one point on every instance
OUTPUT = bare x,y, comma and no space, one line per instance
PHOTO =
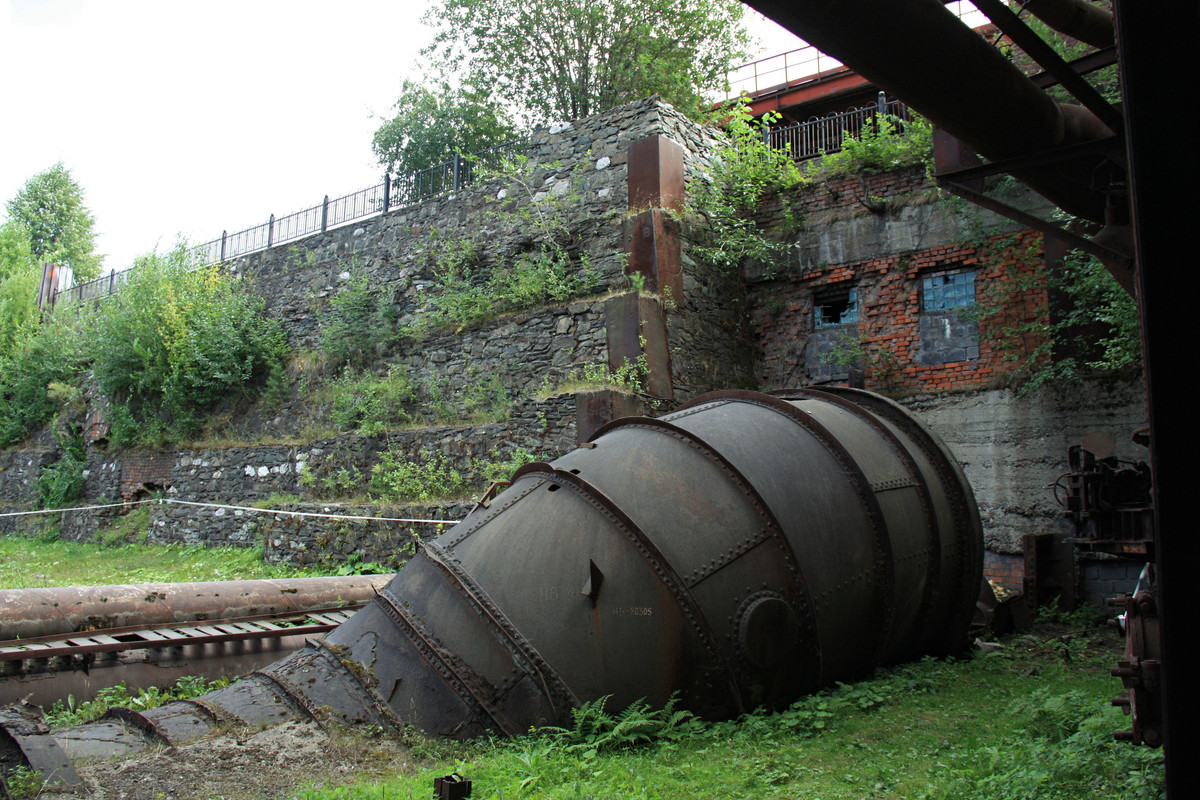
192,117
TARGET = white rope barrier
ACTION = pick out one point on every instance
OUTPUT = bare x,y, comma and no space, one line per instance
252,509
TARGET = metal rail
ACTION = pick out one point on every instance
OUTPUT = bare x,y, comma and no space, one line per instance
113,640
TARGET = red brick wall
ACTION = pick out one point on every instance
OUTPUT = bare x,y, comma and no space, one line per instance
1005,570
889,297
140,468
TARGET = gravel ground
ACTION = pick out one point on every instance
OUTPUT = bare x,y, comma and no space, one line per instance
275,763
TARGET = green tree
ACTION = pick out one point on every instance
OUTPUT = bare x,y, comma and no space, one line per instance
20,278
50,206
430,126
568,59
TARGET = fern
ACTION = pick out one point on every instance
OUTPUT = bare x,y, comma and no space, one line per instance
597,731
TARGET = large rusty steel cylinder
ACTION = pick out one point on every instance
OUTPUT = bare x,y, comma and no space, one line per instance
738,552
741,551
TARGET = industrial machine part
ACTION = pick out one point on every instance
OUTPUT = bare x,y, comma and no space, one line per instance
1140,670
738,552
1108,500
1110,503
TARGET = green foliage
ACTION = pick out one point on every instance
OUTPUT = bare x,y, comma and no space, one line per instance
629,377
20,279
50,206
351,327
430,126
22,782
479,399
175,340
1067,751
745,173
969,728
432,477
565,60
69,712
849,351
55,352
597,731
1057,339
60,484
44,561
369,404
469,289
885,143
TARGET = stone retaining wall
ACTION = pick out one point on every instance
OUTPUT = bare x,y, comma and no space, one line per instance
324,542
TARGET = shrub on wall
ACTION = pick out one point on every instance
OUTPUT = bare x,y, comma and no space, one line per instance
56,352
175,340
746,171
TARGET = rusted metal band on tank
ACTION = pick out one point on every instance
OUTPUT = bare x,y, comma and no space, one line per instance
885,585
968,537
281,690
772,531
933,546
134,719
771,526
552,686
654,557
459,676
369,699
476,520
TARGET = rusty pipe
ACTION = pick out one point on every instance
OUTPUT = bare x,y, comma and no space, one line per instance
738,552
923,54
1078,19
29,613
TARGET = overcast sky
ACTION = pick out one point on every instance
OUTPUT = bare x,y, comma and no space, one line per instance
186,117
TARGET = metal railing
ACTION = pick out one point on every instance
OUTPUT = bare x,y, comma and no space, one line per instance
396,191
823,135
94,289
807,64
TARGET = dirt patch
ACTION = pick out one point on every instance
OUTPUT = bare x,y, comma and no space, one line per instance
245,765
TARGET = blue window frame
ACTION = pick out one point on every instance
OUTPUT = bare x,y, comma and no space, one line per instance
943,291
836,309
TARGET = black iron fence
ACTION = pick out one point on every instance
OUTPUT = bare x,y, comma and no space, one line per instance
815,137
396,191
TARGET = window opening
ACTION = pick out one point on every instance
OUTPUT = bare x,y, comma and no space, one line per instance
947,290
835,307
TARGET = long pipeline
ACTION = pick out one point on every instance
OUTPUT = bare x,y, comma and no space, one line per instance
737,553
30,613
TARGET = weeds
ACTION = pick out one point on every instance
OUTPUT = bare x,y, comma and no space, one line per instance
69,712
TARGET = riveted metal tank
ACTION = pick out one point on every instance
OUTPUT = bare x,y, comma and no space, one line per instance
739,552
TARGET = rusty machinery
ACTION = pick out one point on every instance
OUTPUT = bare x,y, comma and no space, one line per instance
737,552
1114,166
1111,504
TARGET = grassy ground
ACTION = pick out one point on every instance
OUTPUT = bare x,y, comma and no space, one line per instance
1031,720
37,562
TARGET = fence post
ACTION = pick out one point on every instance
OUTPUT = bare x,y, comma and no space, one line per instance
457,171
325,214
387,191
881,104
270,231
223,235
